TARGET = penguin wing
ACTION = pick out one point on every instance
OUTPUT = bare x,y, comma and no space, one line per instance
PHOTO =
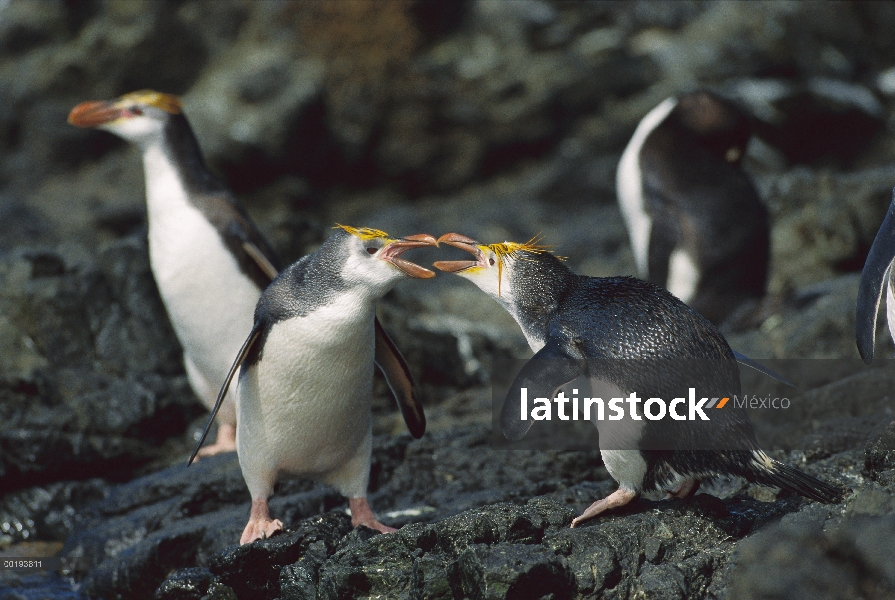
241,236
879,260
550,368
243,352
397,375
754,364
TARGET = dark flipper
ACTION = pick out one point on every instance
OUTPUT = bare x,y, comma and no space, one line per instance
550,368
871,287
754,364
397,375
260,259
243,352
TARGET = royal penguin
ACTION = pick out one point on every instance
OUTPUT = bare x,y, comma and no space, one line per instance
305,372
877,273
696,224
209,260
607,329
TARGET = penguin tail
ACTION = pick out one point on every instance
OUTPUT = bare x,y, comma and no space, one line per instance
771,472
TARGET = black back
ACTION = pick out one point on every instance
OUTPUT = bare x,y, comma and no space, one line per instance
305,285
705,204
215,201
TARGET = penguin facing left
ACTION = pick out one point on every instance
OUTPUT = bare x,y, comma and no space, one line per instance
577,324
877,273
696,223
305,372
209,260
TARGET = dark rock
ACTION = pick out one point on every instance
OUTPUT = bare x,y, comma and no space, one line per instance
47,513
185,584
880,453
254,569
82,406
853,560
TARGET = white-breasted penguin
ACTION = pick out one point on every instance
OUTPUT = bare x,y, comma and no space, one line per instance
208,258
696,224
876,274
305,372
607,329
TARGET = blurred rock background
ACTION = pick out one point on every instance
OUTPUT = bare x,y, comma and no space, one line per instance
496,119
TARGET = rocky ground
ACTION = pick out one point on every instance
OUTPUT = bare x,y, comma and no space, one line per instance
499,120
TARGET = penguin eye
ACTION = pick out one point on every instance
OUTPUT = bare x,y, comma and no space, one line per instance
135,110
372,250
491,261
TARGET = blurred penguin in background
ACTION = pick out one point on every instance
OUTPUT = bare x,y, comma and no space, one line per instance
696,224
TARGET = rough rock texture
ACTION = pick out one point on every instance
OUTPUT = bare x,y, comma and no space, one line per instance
496,119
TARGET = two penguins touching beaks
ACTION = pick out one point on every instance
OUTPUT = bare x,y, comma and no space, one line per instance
301,343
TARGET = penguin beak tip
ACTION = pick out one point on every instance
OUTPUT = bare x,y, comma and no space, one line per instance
92,113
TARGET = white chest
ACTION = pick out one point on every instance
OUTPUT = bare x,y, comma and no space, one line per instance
209,300
306,401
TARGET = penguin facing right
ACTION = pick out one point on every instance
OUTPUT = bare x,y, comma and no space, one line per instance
306,372
605,328
696,224
877,273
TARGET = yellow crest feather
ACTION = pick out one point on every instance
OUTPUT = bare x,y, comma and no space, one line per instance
512,250
166,102
364,233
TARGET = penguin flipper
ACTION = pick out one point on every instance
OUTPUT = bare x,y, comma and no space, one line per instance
877,265
241,236
260,259
243,352
550,368
400,382
754,364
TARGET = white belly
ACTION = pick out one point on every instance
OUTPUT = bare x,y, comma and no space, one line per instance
629,185
209,301
304,408
683,275
619,439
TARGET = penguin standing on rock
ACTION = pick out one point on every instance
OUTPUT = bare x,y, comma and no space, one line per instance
607,329
306,372
696,223
877,273
208,258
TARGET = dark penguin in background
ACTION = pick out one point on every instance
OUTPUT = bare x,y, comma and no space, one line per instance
696,224
209,260
579,325
306,372
876,274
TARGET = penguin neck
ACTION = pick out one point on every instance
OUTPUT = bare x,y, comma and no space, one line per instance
538,288
174,168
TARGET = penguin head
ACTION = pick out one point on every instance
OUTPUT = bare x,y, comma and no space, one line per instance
720,126
138,117
372,258
497,266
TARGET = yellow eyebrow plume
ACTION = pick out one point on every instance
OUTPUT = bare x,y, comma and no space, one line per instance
166,102
504,250
364,233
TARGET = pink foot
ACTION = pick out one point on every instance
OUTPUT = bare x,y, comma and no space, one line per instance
617,498
225,442
362,514
260,525
683,490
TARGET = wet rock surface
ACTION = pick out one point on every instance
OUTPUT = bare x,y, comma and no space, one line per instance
499,120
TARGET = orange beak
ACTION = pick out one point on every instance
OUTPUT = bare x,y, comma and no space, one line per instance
393,251
464,243
93,113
